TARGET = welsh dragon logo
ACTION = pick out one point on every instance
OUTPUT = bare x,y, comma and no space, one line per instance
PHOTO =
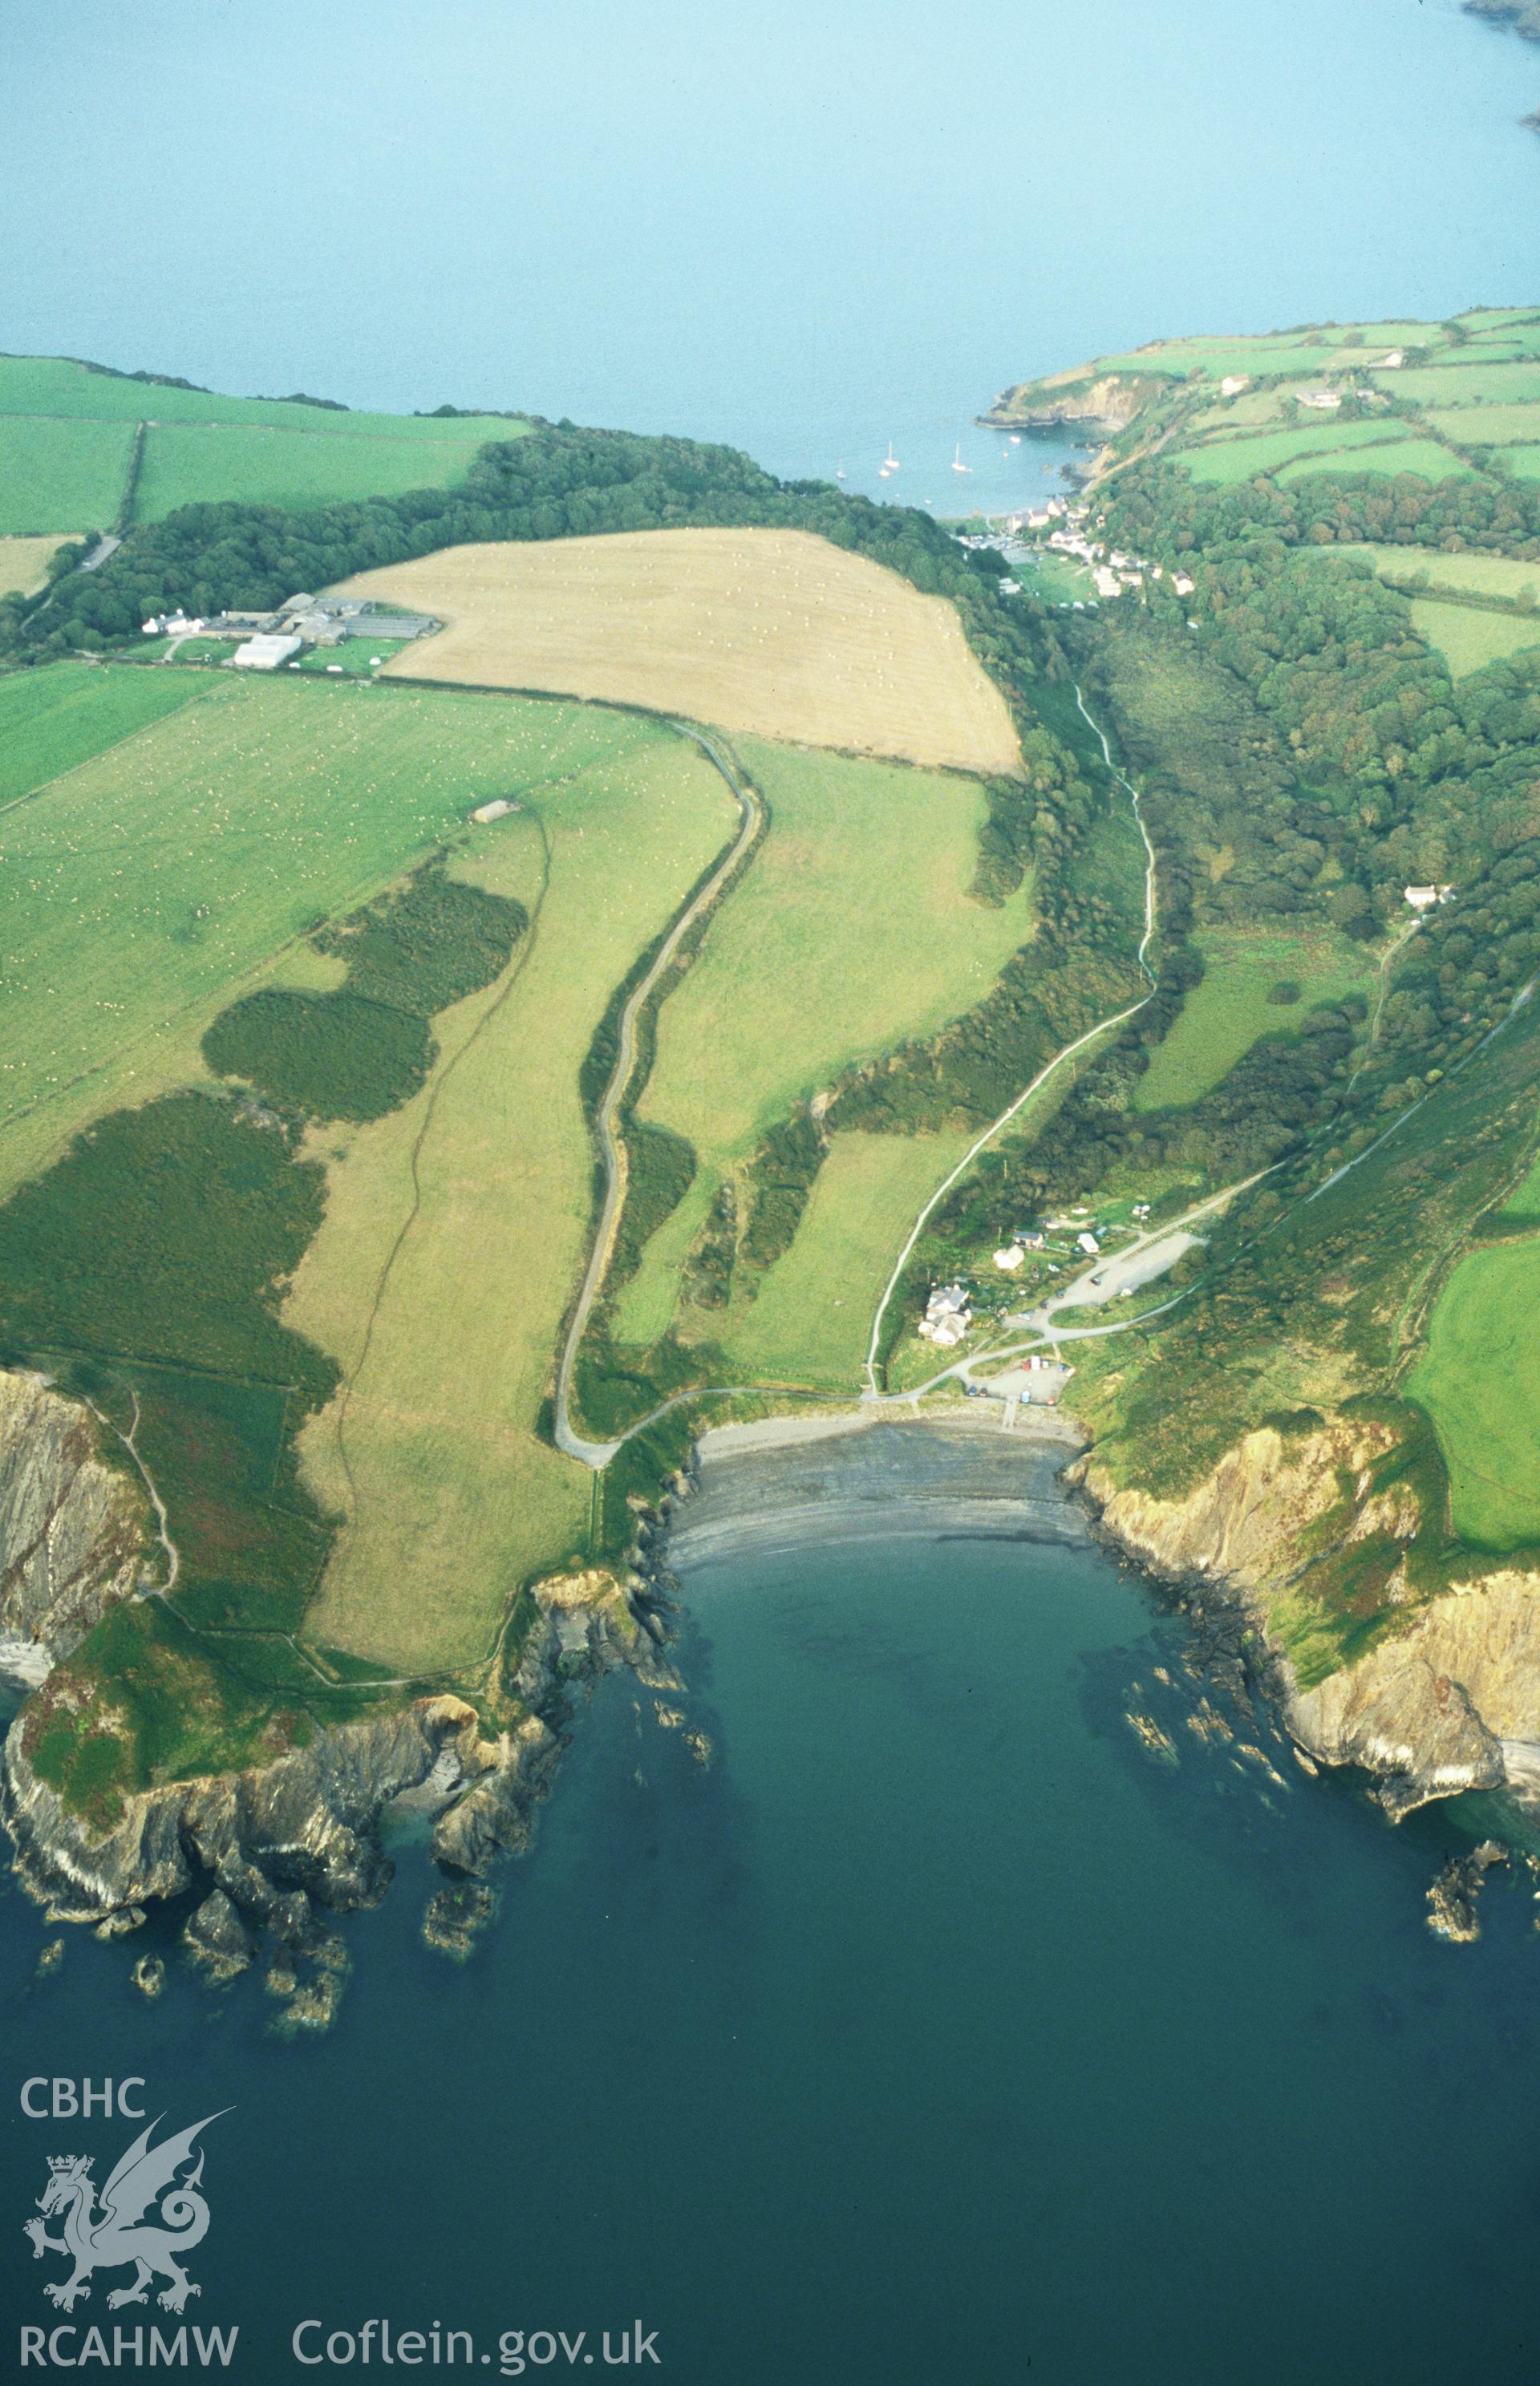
120,2234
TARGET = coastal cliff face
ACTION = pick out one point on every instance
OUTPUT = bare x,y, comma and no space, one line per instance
73,1531
1105,402
1449,1702
267,1845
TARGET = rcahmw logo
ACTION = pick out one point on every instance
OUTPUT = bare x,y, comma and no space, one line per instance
147,2215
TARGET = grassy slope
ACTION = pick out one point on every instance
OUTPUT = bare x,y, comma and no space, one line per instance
1480,1381
1226,1013
62,476
67,435
813,1319
196,463
1480,575
453,1499
859,891
893,951
1468,638
150,884
1240,459
55,719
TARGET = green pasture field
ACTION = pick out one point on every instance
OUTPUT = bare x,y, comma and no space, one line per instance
1480,575
1226,1013
352,658
1058,579
861,891
53,386
1484,426
451,1497
62,476
189,463
895,950
1481,384
1480,1383
1469,637
647,1302
813,1319
146,886
53,719
1522,462
1273,352
1227,460
1424,458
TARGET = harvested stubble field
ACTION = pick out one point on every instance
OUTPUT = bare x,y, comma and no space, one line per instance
772,631
24,562
450,1497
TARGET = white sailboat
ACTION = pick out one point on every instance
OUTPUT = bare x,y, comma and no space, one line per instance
1015,438
889,462
839,470
957,463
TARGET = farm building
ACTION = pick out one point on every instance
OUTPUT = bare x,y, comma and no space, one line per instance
266,652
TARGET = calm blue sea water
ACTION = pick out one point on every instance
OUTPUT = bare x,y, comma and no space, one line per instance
808,230
931,2033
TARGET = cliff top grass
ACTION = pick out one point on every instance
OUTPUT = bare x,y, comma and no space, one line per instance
772,631
71,457
1434,413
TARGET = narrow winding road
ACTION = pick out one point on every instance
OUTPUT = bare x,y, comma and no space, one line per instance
612,1150
600,1453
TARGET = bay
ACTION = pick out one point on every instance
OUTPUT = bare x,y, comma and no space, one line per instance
930,2030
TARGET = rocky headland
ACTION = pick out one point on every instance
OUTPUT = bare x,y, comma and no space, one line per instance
1449,1702
268,1851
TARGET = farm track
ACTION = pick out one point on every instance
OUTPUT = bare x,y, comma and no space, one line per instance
599,1453
613,1151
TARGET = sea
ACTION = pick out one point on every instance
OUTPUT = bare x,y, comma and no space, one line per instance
924,1993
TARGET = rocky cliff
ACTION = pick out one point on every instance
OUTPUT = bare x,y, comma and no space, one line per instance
1448,1701
1105,402
269,1845
73,1529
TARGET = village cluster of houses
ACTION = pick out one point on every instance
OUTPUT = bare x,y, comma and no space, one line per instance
949,1311
1068,530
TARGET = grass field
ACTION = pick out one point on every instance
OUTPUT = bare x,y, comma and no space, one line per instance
1522,462
1482,575
1478,383
1225,461
53,719
198,463
1469,637
148,885
62,476
55,387
1480,1383
813,1319
451,1497
893,950
24,562
1484,426
1426,458
774,633
1225,1014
